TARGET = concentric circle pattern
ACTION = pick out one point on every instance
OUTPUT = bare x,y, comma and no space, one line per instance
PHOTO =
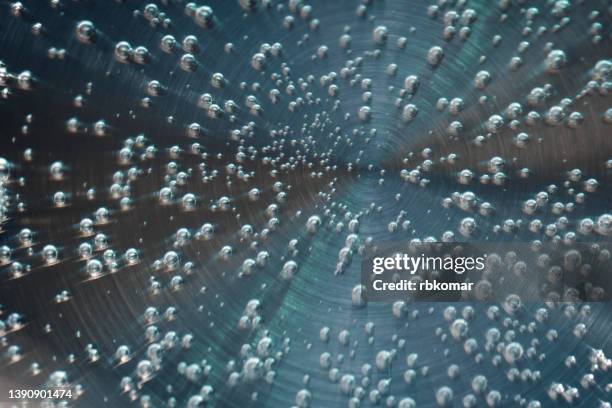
187,190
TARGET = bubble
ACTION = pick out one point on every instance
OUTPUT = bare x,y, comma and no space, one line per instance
313,224
383,360
303,398
59,199
168,44
455,106
575,119
459,329
204,16
258,61
512,304
217,80
479,384
467,226
365,113
604,225
190,44
344,337
123,51
5,255
165,195
253,369
493,398
411,84
494,124
171,260
131,256
380,35
555,116
514,110
289,270
94,268
58,379
226,252
25,80
26,237
144,369
189,202
555,60
188,62
409,112
444,396
85,32
435,55
513,352
469,401
406,403
50,254
357,296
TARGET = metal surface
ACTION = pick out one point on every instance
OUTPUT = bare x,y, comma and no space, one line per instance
317,146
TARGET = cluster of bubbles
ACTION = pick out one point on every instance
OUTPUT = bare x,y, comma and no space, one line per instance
244,156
